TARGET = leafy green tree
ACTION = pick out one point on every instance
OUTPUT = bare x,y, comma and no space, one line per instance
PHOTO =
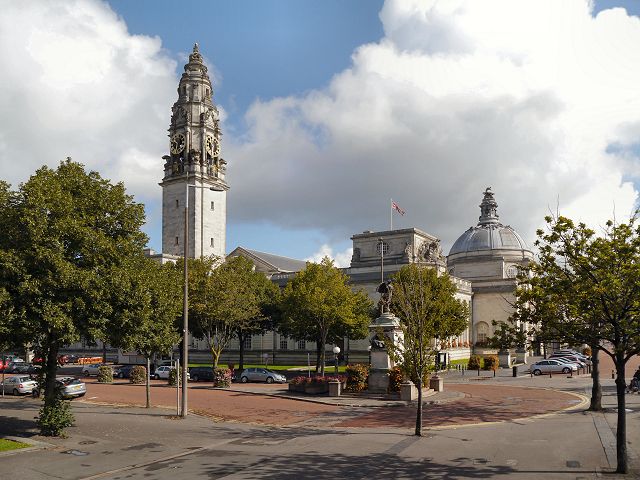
228,300
319,305
68,233
592,282
152,308
429,312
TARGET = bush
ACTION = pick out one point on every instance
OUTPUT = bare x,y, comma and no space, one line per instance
475,362
105,374
396,377
54,418
357,376
491,362
174,375
222,377
138,375
586,351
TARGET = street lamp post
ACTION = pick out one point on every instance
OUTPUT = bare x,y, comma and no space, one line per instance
336,351
185,302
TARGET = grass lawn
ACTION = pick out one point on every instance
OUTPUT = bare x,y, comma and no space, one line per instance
10,445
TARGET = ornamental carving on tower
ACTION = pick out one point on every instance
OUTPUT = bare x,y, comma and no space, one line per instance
430,252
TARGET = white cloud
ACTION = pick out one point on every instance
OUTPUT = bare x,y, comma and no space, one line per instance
523,96
340,259
76,83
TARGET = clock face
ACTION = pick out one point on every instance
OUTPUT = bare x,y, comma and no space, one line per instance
213,146
177,143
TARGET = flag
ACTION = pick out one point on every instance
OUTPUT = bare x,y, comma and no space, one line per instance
396,207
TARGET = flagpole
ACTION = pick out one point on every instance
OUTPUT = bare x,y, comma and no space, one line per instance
391,213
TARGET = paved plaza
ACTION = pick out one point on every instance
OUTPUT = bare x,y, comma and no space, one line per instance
480,427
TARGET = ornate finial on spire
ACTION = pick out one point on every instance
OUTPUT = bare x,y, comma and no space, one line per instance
195,48
195,56
488,208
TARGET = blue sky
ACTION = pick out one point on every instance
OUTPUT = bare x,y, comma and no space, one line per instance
333,107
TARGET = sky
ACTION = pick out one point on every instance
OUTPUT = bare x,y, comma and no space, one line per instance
330,109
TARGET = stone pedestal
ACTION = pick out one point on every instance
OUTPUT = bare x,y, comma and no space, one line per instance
381,363
436,383
408,391
504,356
334,388
521,355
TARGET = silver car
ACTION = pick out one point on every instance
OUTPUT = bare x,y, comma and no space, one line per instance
66,387
552,366
18,385
261,375
91,369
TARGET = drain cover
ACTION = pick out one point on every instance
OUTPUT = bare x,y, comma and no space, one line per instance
77,453
573,464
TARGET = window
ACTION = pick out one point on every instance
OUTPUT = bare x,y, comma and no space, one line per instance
482,333
212,241
177,203
382,248
302,345
284,343
247,343
177,242
212,205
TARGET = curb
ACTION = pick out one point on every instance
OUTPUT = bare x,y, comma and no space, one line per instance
35,445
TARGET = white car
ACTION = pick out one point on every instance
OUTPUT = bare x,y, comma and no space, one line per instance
91,369
18,385
163,372
552,366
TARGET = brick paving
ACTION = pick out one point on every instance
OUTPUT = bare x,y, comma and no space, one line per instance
475,403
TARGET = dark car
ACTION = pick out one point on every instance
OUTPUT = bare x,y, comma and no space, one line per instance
123,372
201,373
22,368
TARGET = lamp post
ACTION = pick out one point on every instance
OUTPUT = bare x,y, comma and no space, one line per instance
336,351
185,302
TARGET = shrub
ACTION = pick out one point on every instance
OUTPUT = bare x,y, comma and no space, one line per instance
475,362
105,374
222,377
396,377
357,376
491,362
54,418
586,351
174,375
138,375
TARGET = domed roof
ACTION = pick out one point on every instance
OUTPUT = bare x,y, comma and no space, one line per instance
489,234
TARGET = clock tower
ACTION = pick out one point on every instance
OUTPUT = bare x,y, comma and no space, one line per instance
194,171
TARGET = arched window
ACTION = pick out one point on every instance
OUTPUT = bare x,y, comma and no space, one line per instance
482,332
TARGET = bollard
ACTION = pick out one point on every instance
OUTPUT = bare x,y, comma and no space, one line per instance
494,372
549,373
463,370
515,371
478,372
571,373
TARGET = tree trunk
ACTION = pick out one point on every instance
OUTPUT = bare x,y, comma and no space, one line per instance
215,353
596,389
52,369
621,429
418,431
148,383
318,354
241,338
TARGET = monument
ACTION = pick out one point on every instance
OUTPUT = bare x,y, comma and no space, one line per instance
386,324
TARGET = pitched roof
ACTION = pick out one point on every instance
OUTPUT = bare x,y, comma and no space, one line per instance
279,263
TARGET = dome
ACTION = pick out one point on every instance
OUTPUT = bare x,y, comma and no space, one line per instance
489,234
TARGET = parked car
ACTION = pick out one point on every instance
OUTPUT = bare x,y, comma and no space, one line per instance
261,375
91,369
201,373
8,360
570,359
21,367
552,366
70,358
163,372
66,387
18,385
123,371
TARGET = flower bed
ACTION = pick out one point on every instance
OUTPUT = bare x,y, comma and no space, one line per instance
314,385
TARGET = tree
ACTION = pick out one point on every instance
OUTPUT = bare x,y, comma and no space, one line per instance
153,306
592,283
227,301
429,312
319,305
67,233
